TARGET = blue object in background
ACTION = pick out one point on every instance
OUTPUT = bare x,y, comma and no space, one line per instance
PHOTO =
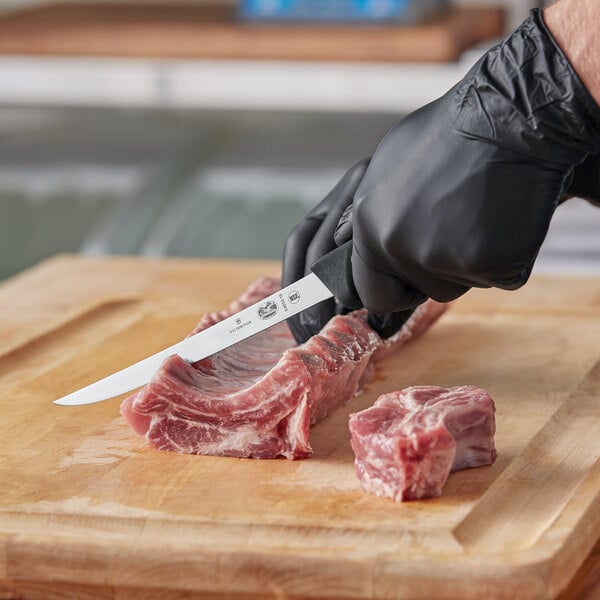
402,11
381,9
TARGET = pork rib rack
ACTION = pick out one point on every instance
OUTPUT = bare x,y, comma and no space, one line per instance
259,398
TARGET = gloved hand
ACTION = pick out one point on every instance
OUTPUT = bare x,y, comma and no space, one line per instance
311,239
586,181
461,192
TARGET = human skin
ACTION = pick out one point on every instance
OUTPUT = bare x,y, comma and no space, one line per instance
575,26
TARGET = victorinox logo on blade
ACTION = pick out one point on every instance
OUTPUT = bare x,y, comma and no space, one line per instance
267,310
239,324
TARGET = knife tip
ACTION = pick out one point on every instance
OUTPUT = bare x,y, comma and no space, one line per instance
65,402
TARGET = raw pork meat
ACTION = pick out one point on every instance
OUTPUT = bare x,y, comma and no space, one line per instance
408,442
259,397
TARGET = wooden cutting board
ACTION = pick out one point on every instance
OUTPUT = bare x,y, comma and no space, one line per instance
87,510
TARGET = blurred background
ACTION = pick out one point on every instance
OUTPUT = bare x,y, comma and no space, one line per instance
209,128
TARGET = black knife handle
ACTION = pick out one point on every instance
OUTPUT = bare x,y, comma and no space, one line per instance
335,271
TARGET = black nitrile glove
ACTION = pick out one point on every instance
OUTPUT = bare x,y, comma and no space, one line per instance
311,239
586,181
461,192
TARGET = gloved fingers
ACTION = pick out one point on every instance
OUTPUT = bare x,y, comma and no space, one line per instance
585,181
443,288
312,239
340,197
343,231
296,246
382,293
313,236
516,280
388,324
310,321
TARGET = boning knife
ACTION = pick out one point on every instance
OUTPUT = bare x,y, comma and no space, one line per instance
331,277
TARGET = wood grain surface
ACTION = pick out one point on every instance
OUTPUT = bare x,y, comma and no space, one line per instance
87,510
172,30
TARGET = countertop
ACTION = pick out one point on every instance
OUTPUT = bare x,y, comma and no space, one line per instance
96,513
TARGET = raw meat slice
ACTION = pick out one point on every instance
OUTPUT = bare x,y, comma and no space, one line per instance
408,442
259,398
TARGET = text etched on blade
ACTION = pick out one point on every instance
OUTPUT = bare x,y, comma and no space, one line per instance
239,324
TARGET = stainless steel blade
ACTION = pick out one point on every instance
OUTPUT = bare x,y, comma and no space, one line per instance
281,305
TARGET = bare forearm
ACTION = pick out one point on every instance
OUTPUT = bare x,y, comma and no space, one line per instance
575,24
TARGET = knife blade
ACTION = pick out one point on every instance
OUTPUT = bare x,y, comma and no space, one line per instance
333,279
